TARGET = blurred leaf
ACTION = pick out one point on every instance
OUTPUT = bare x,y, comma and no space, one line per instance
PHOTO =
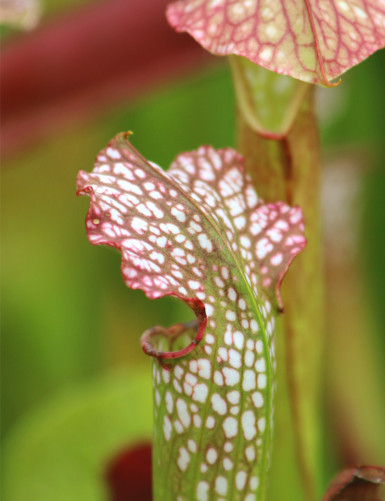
365,483
24,14
312,42
60,451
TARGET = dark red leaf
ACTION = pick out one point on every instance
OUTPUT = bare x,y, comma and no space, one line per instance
365,483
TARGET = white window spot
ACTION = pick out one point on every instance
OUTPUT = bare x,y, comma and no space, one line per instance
248,425
188,389
112,153
211,455
178,426
240,480
167,428
166,375
177,386
250,344
343,6
219,282
162,241
254,325
240,222
221,485
249,358
245,242
179,215
169,402
140,173
219,404
205,243
233,397
238,339
183,458
227,464
194,228
231,294
254,483
202,491
271,30
178,371
242,304
193,366
266,54
262,381
218,378
230,427
230,316
235,359
191,444
155,210
257,399
180,238
190,378
276,259
208,349
228,337
223,354
149,186
143,210
260,365
249,382
197,421
139,225
200,392
210,422
156,195
225,272
183,412
359,12
204,368
250,453
261,424
231,376
193,284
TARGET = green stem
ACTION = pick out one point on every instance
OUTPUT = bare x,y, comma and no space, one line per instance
278,136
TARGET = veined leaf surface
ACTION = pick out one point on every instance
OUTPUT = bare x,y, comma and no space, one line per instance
200,233
312,40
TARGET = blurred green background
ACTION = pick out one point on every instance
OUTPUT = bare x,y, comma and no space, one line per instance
75,384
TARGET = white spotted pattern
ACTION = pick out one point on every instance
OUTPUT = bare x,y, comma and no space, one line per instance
187,233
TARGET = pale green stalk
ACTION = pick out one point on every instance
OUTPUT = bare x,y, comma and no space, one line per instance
278,136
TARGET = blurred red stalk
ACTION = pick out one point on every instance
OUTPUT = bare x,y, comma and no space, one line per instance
80,62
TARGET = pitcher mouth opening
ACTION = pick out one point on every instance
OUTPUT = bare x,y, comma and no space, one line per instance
179,339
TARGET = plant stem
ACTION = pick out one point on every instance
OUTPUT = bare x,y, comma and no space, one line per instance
283,161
